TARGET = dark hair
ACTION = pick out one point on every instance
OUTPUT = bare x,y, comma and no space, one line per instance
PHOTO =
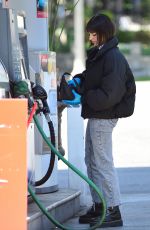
102,26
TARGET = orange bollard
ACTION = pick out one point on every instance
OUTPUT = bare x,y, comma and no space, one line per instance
13,164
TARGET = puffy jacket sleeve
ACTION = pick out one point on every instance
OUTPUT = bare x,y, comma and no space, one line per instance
113,84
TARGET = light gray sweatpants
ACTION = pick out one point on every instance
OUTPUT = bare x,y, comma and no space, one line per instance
99,160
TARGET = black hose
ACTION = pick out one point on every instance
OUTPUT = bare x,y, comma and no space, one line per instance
52,157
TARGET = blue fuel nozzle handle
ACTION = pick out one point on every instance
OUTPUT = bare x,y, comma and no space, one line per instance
75,82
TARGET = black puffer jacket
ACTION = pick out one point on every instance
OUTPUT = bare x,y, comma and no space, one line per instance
109,86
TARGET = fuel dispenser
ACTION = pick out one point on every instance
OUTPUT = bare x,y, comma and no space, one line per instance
12,62
15,68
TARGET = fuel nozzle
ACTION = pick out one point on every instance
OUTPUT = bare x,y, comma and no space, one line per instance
22,89
39,93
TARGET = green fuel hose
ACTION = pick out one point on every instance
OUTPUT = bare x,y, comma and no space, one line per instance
77,171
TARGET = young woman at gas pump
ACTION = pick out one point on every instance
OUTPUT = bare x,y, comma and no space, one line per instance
108,94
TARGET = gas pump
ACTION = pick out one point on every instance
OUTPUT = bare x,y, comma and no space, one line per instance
15,62
11,58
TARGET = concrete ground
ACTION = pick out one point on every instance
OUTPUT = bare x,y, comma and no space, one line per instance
135,214
132,159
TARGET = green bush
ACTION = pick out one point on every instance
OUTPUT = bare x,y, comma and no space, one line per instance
125,50
145,50
131,36
143,37
143,78
126,36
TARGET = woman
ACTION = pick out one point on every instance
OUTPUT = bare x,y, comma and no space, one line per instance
109,94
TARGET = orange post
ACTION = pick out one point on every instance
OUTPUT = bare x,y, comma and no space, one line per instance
13,164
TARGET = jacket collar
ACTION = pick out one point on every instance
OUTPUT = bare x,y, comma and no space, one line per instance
95,52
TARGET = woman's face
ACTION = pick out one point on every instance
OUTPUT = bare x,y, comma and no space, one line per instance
93,38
